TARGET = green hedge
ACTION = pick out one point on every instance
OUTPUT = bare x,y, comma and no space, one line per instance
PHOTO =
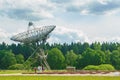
99,67
16,67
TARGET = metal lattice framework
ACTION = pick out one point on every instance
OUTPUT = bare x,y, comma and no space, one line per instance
35,35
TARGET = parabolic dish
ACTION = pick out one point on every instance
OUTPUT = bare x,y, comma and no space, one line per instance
33,35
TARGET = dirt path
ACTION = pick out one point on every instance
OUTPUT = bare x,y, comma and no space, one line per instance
20,74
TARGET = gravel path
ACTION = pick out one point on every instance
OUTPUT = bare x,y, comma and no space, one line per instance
20,74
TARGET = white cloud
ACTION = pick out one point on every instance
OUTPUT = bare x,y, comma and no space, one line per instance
105,39
43,9
114,39
65,35
62,35
4,36
97,7
59,35
103,2
64,12
26,10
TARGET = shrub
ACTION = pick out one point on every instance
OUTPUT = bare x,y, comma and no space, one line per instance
99,67
91,67
16,67
106,67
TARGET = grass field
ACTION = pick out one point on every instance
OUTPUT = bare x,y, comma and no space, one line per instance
47,77
13,71
58,78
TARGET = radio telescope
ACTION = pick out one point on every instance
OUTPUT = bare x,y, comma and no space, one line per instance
37,36
34,35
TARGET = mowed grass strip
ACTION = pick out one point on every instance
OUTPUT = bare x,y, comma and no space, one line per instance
59,78
14,71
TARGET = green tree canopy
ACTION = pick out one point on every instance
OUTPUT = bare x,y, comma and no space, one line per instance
107,57
71,58
92,57
55,59
20,58
7,59
96,46
115,59
99,57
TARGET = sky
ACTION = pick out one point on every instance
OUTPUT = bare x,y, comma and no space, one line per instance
75,20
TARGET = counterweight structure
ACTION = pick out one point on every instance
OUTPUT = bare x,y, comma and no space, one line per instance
37,36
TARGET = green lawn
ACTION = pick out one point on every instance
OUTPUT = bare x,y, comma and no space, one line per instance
58,78
47,77
13,71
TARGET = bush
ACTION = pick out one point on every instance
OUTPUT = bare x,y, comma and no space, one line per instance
106,67
16,67
91,67
99,67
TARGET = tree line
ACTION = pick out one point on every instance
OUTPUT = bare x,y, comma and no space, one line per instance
78,54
